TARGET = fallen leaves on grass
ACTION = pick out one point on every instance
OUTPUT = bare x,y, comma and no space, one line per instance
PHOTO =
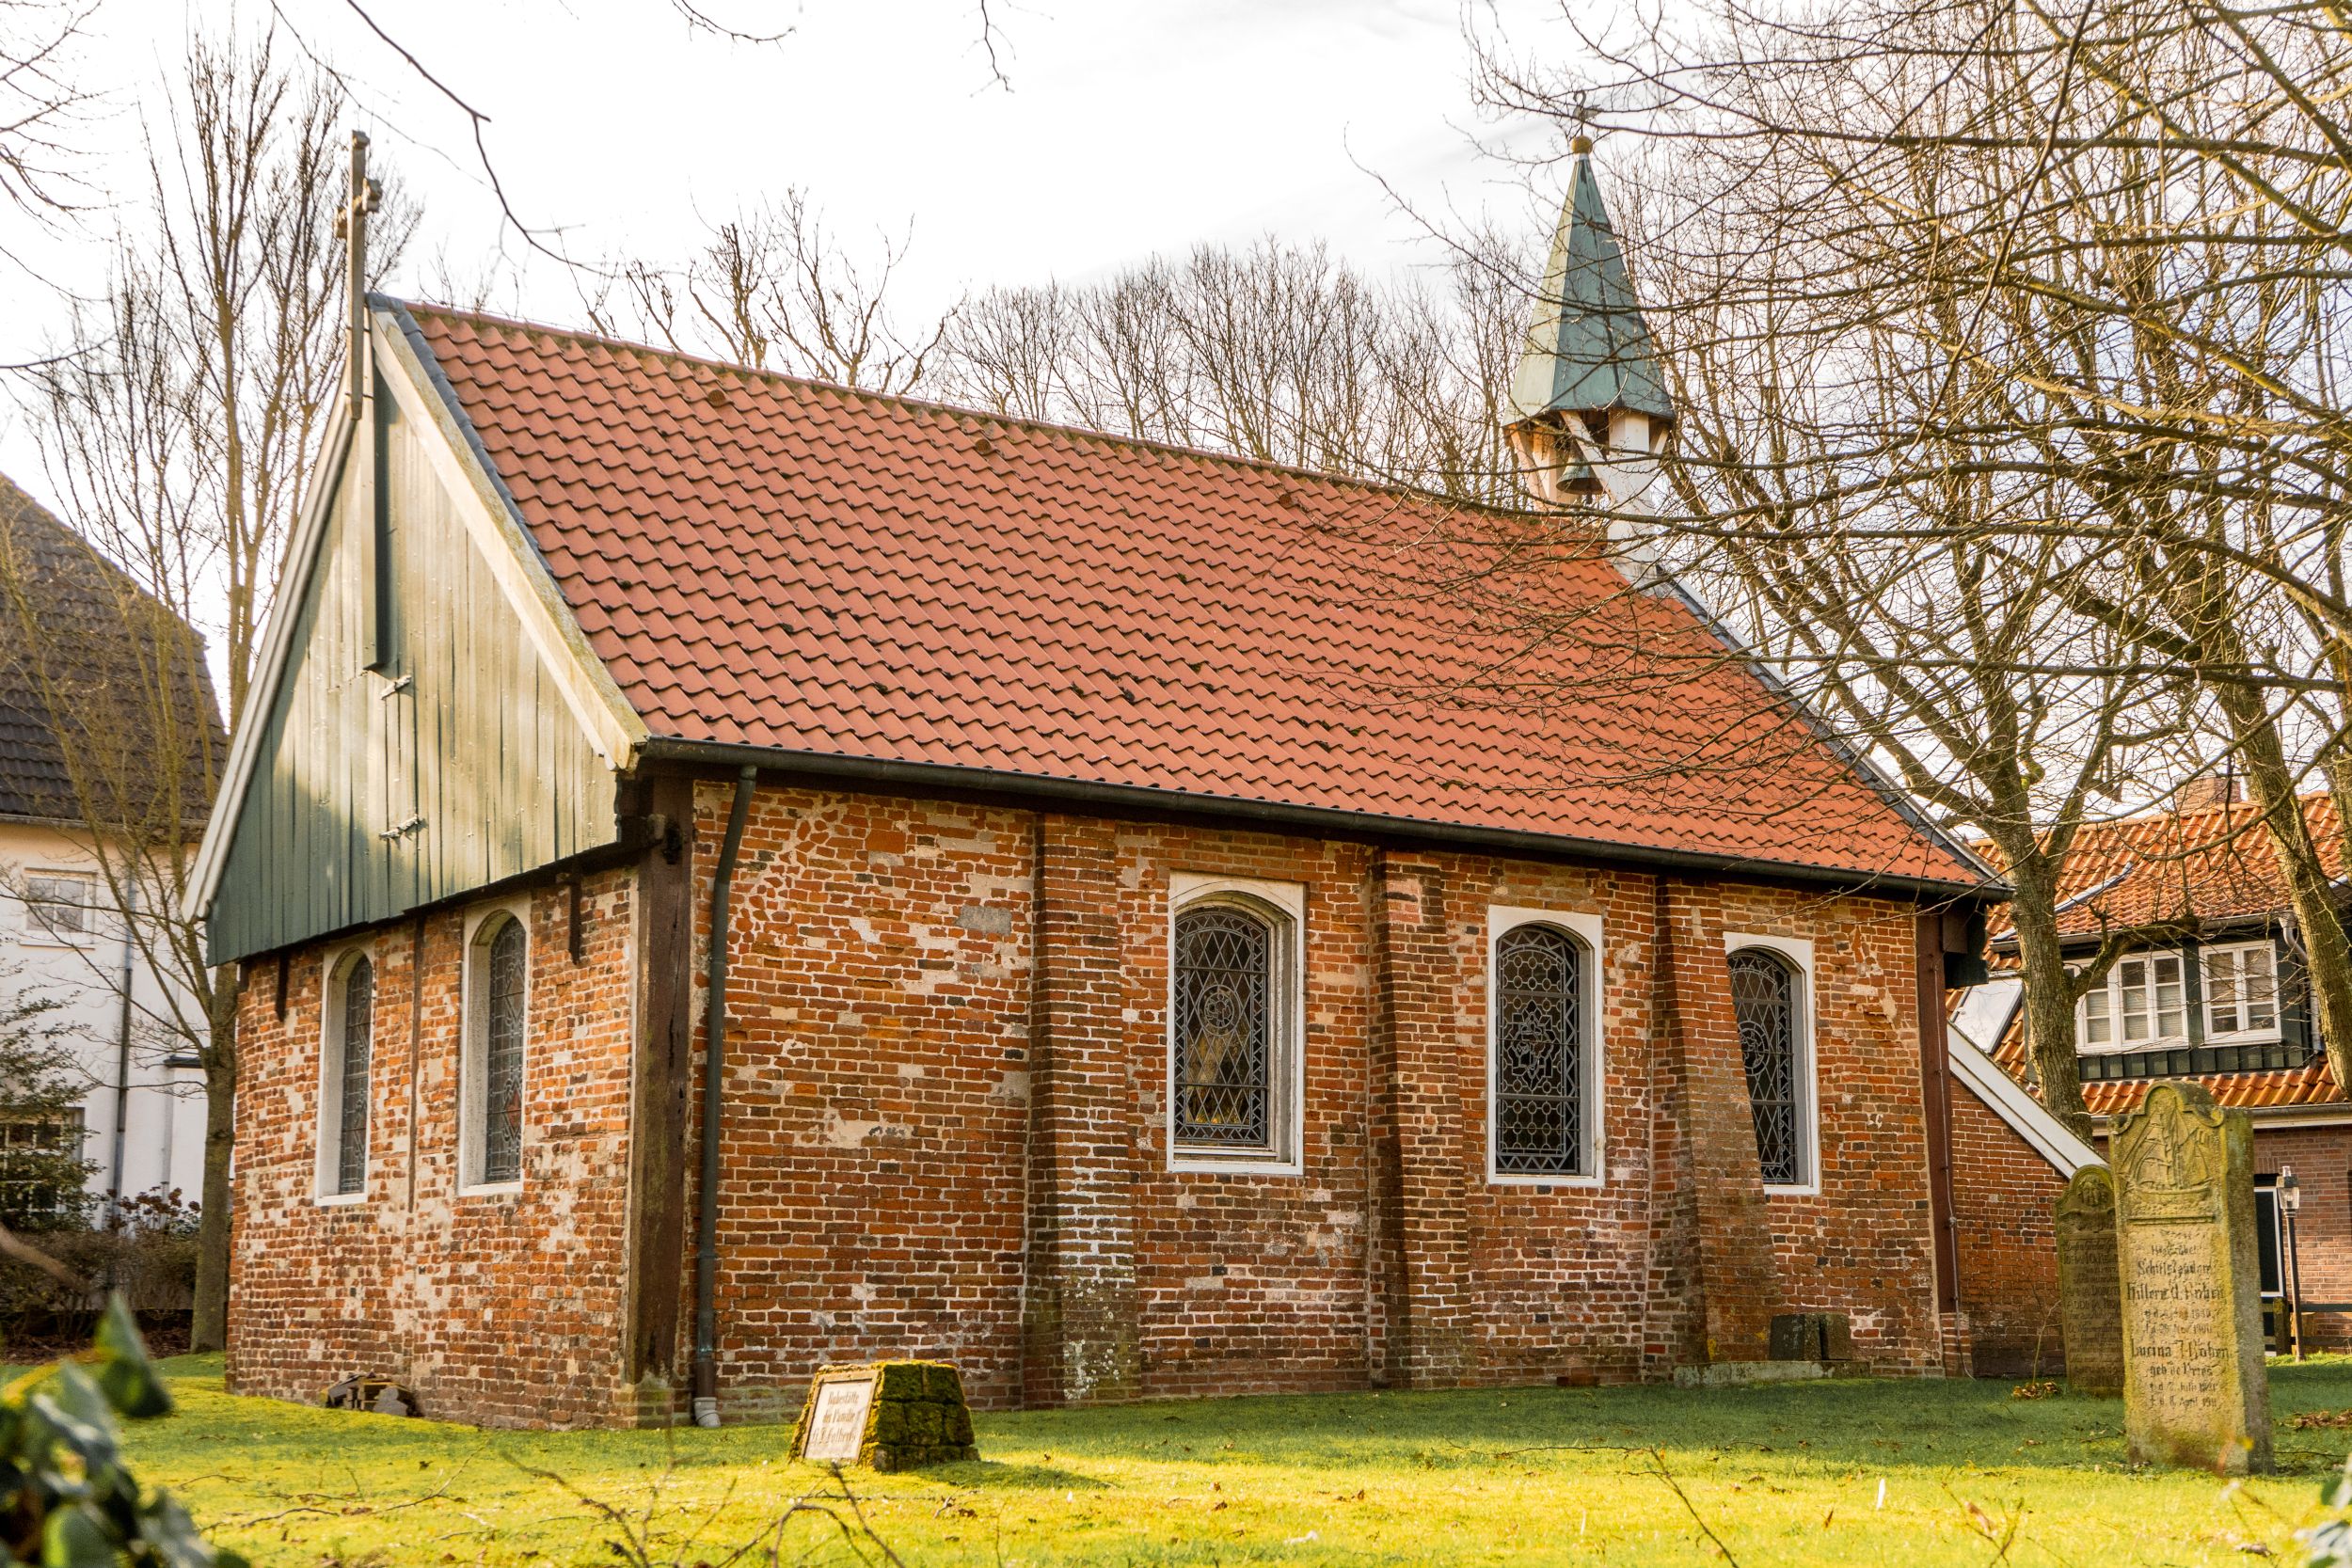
2044,1389
2305,1420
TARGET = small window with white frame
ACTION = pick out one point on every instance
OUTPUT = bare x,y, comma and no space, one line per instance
346,1052
1543,1046
493,1059
1236,1017
2142,1007
59,906
2241,992
1772,1002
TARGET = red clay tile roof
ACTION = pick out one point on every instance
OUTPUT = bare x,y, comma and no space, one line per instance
789,565
2213,865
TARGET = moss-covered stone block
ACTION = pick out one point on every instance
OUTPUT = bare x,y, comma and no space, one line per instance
889,1415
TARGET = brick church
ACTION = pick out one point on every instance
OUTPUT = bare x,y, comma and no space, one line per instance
731,873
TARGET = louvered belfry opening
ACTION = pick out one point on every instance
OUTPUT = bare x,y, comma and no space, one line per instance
1539,1053
1764,999
1224,1036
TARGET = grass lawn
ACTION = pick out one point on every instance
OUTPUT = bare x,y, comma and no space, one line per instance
1859,1472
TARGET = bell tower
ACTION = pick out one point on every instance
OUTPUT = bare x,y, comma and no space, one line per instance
1588,406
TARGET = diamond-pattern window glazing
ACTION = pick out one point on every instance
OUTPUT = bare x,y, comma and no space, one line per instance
1224,1045
359,1023
1539,1053
1764,999
503,1058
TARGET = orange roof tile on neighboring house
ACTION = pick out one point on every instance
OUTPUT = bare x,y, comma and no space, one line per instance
2313,1083
778,563
2212,865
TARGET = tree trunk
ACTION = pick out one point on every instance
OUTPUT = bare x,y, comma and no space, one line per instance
2049,992
2270,782
210,1328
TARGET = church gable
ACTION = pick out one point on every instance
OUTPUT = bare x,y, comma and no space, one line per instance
424,728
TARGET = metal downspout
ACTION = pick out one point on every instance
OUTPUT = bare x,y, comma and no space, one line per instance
122,1050
714,1062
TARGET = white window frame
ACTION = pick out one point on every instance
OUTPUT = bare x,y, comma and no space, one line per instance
473,1066
2205,999
1798,953
1501,919
2112,984
1283,906
333,976
38,932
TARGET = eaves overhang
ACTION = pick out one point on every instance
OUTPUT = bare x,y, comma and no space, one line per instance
923,777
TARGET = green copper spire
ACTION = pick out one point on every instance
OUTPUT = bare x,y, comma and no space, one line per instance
1587,348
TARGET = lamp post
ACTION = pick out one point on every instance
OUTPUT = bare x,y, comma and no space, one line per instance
2290,1200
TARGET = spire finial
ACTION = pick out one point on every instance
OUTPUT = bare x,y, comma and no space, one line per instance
351,225
1583,113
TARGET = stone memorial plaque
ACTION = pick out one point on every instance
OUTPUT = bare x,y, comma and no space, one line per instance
836,1424
2090,1304
2195,1388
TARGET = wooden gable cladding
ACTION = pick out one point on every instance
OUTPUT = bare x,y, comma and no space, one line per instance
416,742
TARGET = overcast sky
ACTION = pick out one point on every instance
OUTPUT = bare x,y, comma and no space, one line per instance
1128,128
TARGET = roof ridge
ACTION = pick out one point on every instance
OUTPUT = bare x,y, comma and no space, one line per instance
900,400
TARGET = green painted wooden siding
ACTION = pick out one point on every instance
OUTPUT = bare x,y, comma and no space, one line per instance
480,744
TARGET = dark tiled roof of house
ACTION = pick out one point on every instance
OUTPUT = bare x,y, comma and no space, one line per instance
84,653
781,564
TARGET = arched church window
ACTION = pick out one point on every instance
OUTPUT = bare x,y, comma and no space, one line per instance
1224,1024
347,1048
1539,1053
1767,999
498,1017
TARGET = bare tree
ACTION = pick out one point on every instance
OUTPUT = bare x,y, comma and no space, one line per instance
38,101
2014,332
775,289
1275,352
179,446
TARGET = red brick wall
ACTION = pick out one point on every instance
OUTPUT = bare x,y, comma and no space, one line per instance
2002,1190
903,1065
946,1138
504,1310
2322,1160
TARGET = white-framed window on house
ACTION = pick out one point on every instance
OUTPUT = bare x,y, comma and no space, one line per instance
60,905
2143,1006
494,1054
346,1052
2241,992
1543,1046
1771,1001
1237,1010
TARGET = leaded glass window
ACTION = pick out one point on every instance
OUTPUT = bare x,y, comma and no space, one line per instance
1765,999
1539,1053
355,1051
1224,1029
502,1056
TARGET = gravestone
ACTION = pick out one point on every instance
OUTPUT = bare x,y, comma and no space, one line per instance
891,1415
2091,1305
2195,1390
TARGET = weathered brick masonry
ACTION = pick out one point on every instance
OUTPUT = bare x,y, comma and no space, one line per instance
505,1309
2002,1191
945,1136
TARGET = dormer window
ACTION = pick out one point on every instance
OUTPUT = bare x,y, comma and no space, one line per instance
2241,992
2143,1006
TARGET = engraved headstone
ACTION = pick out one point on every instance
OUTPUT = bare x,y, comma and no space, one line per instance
837,1419
2195,1390
2091,1305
